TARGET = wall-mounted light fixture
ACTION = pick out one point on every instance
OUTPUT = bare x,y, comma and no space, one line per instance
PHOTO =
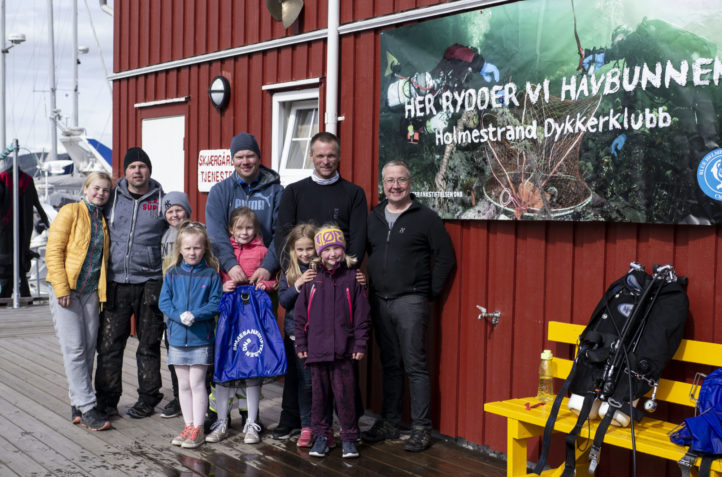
219,92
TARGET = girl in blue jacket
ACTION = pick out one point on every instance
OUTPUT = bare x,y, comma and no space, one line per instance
189,298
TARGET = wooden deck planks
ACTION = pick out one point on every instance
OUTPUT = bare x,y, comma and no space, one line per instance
38,438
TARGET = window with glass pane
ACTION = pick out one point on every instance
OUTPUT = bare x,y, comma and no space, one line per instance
302,125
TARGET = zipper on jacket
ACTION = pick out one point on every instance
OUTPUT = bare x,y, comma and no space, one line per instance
308,308
386,248
350,308
130,239
188,299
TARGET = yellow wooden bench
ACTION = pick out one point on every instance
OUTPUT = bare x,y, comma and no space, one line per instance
652,435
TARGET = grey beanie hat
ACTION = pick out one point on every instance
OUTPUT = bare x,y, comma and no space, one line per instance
244,142
176,198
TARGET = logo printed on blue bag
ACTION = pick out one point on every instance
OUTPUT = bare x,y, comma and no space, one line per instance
709,174
252,343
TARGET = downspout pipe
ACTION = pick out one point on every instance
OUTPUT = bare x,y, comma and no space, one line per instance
332,60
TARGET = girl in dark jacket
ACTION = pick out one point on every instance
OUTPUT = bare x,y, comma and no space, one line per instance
301,252
332,324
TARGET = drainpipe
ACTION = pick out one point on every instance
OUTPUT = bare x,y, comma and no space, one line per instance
332,56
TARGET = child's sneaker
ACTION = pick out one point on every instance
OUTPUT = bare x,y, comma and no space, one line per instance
180,438
219,431
306,438
349,450
252,429
195,438
320,447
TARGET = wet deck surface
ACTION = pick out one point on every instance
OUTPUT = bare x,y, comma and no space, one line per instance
38,439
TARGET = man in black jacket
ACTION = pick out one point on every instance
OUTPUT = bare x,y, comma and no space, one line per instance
410,259
323,198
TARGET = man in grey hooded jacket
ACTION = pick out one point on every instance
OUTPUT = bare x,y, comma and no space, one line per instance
251,185
136,226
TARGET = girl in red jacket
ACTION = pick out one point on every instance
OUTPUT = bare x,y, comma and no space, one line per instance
332,326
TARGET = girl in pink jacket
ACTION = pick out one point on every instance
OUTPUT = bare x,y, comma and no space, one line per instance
247,241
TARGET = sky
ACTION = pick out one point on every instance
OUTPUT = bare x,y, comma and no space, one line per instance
27,71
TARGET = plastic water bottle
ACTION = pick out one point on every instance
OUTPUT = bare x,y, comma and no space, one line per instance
546,380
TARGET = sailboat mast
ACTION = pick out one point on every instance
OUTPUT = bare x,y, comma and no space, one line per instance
3,144
51,76
75,64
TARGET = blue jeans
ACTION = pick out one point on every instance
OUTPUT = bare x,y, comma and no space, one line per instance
304,391
400,325
296,400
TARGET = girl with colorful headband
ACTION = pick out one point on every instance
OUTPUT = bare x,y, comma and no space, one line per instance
332,325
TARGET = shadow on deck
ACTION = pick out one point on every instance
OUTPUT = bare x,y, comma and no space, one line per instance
38,438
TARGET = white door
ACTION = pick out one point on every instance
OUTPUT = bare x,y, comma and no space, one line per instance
163,140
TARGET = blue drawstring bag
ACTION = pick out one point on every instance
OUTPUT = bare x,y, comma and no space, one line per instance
248,342
703,433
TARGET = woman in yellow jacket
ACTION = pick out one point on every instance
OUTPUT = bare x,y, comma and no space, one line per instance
76,257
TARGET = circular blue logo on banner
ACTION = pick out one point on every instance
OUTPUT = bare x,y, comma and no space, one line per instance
709,174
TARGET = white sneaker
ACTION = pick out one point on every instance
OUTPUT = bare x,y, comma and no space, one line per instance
252,429
219,431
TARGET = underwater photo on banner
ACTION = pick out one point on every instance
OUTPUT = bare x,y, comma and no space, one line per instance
563,110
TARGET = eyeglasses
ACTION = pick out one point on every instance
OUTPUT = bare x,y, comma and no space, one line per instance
396,180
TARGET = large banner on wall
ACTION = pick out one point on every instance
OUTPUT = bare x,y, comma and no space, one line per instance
560,110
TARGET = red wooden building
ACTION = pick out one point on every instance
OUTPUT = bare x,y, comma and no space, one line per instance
167,53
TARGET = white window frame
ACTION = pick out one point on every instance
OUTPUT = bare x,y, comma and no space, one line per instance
285,104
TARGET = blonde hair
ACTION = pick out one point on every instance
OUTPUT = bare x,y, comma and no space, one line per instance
244,213
293,272
350,259
97,175
192,228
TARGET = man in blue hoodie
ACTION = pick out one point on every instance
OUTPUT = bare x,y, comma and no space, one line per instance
136,226
251,185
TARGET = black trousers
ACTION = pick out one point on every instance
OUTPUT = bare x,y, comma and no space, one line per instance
6,286
124,300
